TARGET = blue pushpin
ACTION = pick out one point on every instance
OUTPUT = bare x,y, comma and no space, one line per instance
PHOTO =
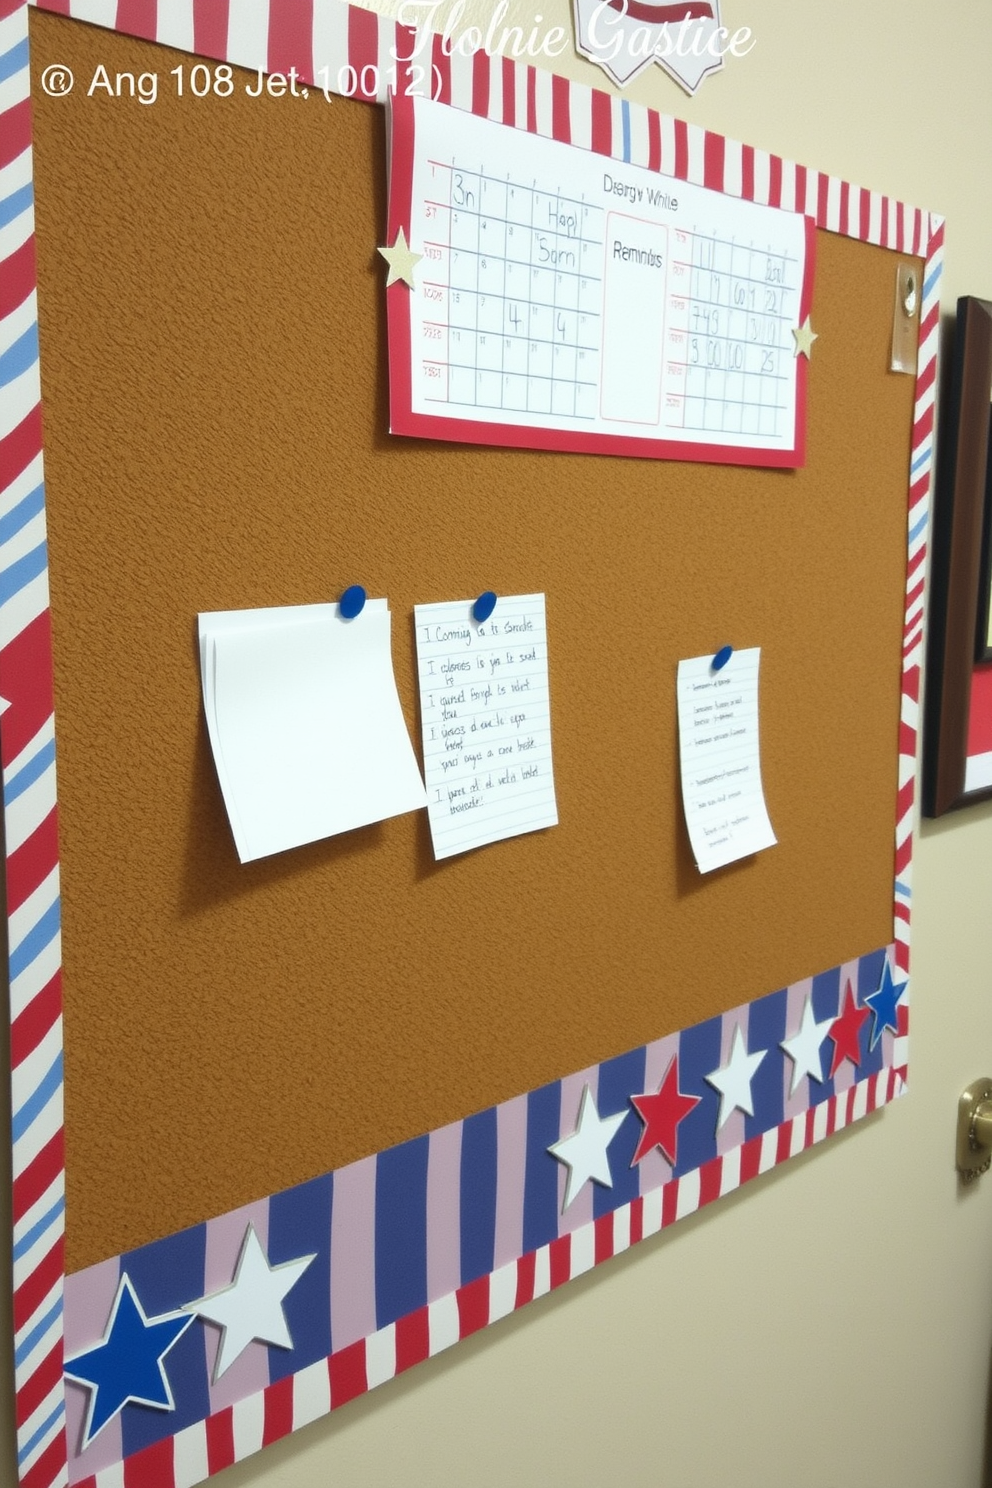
484,606
721,658
352,602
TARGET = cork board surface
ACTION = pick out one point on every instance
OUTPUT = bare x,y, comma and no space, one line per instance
216,423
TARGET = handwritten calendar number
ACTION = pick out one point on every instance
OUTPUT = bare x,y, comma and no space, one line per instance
460,194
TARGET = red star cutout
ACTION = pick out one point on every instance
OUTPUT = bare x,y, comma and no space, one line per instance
845,1032
661,1115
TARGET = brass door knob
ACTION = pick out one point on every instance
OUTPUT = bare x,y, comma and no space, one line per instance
974,1143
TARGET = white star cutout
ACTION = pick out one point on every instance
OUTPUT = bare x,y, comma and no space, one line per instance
584,1152
804,336
734,1079
401,260
250,1309
803,1048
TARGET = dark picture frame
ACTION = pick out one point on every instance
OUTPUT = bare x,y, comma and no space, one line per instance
983,628
961,563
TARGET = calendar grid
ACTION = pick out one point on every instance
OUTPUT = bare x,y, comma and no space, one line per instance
531,314
563,296
738,329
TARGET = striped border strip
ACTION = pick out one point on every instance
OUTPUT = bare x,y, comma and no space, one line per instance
311,35
27,749
405,1227
258,1420
359,51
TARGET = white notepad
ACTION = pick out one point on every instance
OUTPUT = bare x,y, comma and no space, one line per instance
485,712
722,792
305,723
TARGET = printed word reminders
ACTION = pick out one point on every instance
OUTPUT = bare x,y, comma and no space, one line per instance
487,727
563,300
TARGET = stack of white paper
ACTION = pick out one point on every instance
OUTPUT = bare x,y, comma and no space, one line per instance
305,723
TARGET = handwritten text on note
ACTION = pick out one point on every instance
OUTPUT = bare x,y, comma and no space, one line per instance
486,721
722,793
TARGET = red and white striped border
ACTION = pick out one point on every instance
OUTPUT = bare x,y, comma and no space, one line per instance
311,35
241,1429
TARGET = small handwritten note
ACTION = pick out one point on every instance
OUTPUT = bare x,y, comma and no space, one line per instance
722,793
485,711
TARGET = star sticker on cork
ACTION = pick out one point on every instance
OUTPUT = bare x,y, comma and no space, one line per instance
401,260
803,335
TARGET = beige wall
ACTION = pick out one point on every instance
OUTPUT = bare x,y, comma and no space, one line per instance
832,1323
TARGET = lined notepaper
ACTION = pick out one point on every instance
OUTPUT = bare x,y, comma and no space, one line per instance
486,721
722,792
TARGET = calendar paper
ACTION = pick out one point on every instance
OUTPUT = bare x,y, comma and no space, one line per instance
564,300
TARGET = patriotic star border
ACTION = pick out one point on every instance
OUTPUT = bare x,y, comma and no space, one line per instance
358,48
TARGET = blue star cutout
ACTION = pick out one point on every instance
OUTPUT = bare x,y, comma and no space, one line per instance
126,1367
883,1005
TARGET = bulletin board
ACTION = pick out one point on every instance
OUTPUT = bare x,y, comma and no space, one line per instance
361,1054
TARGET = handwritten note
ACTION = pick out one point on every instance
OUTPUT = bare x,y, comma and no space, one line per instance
487,728
305,723
722,793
